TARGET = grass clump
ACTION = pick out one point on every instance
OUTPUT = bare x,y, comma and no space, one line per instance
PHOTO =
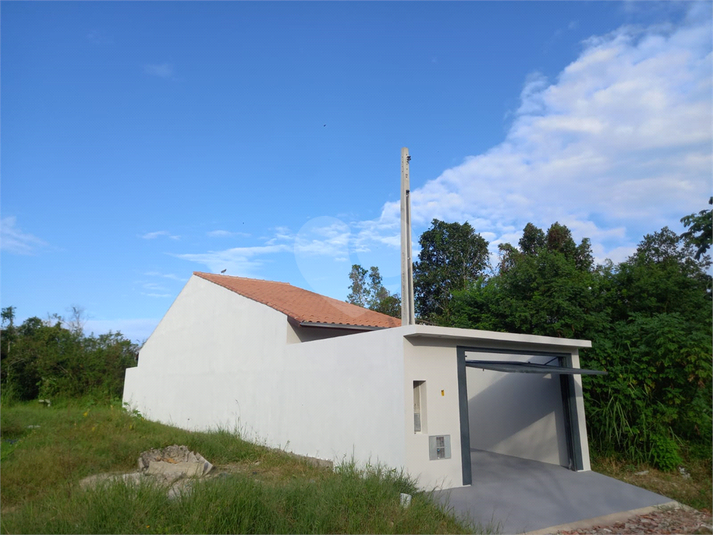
258,490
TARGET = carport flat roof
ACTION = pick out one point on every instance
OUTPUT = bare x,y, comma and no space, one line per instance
475,336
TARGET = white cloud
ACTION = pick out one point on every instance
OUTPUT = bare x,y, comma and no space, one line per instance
616,255
322,236
241,261
165,276
14,240
99,37
154,286
158,233
163,70
617,146
225,234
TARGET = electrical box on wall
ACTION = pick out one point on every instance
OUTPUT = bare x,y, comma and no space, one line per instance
439,447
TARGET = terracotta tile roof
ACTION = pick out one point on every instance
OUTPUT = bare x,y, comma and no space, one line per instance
302,305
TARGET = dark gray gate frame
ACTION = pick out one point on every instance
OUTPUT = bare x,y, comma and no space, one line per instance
567,387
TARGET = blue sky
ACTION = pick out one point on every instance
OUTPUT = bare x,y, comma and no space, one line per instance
144,141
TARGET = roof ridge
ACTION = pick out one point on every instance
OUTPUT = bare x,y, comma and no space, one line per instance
199,273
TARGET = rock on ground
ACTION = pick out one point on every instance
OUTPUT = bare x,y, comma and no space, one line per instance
169,466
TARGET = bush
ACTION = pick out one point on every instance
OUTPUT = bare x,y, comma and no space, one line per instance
45,360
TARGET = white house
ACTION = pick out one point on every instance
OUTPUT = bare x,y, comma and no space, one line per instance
323,378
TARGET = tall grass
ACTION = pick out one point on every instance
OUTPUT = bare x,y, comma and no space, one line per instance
259,490
58,446
350,502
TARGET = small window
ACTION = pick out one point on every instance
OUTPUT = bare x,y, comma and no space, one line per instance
419,406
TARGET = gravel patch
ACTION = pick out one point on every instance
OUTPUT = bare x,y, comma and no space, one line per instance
670,520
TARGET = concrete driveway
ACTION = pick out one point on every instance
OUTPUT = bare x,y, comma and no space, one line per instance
518,495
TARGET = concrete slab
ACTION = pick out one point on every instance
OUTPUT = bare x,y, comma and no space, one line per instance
606,520
518,495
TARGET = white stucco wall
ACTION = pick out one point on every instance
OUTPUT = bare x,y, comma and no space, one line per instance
204,365
435,362
220,359
349,391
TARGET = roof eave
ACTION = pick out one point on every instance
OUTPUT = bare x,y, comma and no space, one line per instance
454,333
341,326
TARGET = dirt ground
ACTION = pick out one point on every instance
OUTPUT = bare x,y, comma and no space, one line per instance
672,520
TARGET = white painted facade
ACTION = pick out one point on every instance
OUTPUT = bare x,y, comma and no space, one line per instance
218,359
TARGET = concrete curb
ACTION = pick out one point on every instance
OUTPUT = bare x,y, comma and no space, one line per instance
606,519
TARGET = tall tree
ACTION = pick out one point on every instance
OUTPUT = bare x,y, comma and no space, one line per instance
359,293
559,238
452,257
533,239
372,294
541,289
649,319
700,230
8,316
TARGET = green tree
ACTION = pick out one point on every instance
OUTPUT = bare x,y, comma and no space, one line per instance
662,276
546,286
8,316
542,288
559,239
649,319
452,257
533,239
371,293
45,359
380,299
7,339
700,230
359,292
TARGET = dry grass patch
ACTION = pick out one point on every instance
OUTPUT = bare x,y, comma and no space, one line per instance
275,470
694,491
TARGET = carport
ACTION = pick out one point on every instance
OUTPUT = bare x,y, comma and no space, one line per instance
513,394
510,407
522,403
524,451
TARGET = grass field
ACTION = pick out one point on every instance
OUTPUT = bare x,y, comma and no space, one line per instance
45,452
